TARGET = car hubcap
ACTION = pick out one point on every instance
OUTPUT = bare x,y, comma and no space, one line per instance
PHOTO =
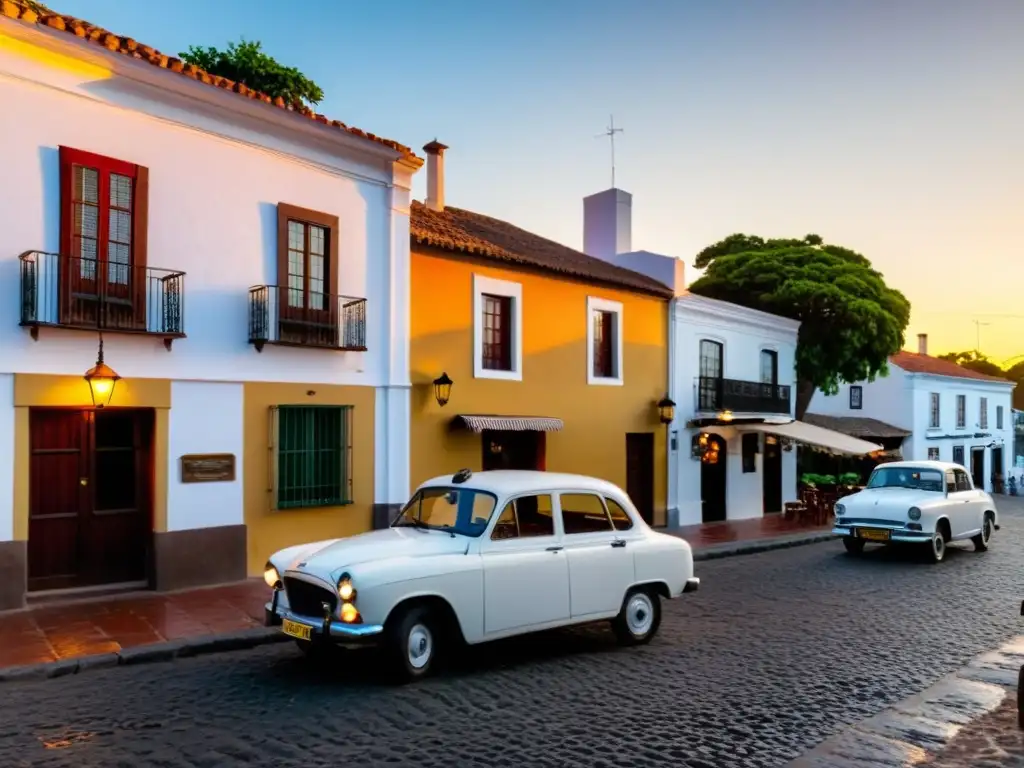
639,614
421,646
986,531
940,545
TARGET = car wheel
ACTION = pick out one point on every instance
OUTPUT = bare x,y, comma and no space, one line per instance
853,546
982,540
937,548
639,618
412,644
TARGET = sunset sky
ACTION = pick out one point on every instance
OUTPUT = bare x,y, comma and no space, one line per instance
894,128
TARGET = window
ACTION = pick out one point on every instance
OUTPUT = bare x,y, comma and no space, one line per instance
983,413
497,329
621,520
527,516
313,459
103,222
584,513
933,453
933,416
856,397
961,411
917,478
999,417
950,481
963,482
769,367
461,510
751,443
604,341
710,381
307,276
958,455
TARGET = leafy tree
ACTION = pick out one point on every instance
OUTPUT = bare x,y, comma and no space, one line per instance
851,321
974,361
247,63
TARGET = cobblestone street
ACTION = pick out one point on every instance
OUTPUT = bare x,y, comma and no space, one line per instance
775,653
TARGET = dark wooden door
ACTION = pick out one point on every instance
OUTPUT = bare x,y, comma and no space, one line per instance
89,497
640,473
978,468
997,470
771,476
513,450
712,480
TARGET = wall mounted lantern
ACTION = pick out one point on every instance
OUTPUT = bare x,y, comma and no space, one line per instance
101,379
666,410
443,389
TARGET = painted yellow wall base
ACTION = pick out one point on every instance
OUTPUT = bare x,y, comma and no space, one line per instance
32,390
270,530
597,418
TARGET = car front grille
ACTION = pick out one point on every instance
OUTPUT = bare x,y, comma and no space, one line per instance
307,599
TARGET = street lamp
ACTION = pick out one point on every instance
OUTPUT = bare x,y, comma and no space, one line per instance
101,379
442,389
666,410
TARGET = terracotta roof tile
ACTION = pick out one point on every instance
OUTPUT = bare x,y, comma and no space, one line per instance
457,230
855,426
17,9
913,362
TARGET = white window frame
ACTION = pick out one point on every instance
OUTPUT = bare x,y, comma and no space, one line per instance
934,453
595,305
937,398
514,291
983,413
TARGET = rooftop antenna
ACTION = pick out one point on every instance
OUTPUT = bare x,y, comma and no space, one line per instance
977,339
610,132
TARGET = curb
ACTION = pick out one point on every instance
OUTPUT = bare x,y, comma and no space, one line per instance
145,654
913,730
767,545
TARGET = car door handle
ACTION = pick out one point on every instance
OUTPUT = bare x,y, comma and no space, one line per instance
619,543
555,549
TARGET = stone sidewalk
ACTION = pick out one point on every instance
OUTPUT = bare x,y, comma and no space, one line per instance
966,720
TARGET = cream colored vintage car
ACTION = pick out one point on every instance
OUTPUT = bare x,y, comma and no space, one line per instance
477,557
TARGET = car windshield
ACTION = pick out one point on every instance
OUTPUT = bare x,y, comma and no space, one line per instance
918,478
458,510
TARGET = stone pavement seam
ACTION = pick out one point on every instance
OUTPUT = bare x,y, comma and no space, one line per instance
730,549
145,654
919,726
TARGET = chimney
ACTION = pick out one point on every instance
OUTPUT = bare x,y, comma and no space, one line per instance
608,224
922,343
435,175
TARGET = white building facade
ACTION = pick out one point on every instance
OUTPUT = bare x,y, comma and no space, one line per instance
952,413
247,270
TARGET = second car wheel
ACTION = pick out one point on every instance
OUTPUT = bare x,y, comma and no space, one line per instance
937,547
411,644
982,539
639,618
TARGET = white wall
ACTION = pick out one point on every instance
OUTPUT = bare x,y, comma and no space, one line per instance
205,417
608,223
214,181
6,457
888,399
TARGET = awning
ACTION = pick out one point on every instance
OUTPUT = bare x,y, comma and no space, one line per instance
808,434
510,423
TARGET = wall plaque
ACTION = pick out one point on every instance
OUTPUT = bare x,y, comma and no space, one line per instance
208,468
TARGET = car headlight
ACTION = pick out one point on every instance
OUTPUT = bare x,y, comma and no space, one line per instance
914,513
840,510
272,577
345,589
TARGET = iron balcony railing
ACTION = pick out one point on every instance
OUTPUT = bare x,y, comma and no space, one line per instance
716,394
71,292
300,318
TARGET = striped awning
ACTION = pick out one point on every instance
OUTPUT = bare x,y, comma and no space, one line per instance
510,423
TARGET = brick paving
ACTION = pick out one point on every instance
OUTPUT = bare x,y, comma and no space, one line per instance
51,632
992,741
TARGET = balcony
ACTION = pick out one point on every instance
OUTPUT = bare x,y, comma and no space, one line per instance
297,318
715,395
60,291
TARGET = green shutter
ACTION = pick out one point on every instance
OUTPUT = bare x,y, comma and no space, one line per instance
313,456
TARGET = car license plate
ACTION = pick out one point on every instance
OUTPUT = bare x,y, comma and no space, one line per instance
873,534
293,628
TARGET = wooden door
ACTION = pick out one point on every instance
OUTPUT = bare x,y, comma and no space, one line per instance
640,473
713,480
978,468
771,476
513,450
308,310
90,497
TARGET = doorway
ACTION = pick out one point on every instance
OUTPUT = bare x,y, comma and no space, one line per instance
90,497
513,450
771,475
640,473
998,471
978,468
712,480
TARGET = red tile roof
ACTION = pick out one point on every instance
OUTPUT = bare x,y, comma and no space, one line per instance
18,9
459,231
913,362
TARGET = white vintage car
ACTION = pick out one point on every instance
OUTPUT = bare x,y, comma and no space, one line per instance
917,502
477,557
